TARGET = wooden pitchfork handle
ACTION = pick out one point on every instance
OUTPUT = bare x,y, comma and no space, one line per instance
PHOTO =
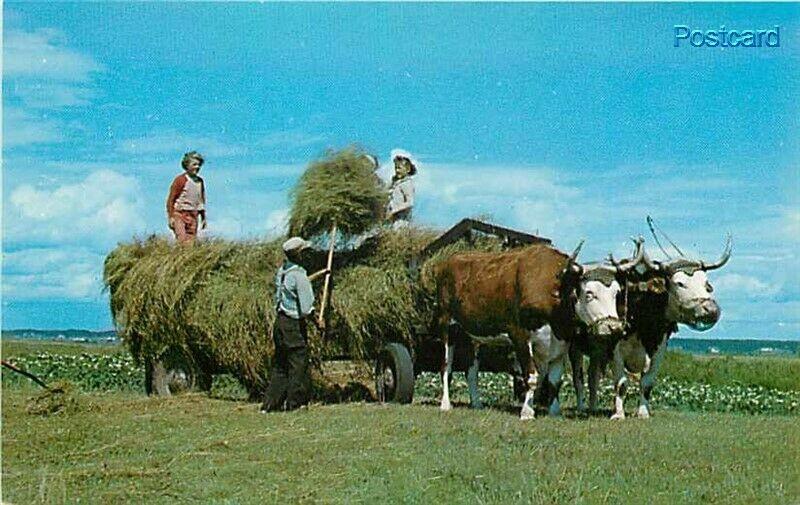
29,375
321,319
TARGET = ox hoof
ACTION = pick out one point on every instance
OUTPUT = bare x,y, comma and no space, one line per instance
643,413
618,415
445,407
476,406
527,414
555,412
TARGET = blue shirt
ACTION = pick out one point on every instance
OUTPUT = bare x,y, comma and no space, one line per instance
293,293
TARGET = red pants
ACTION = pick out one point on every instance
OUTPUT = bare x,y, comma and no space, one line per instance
184,225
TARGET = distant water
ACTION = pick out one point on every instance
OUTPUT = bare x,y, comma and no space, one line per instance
736,346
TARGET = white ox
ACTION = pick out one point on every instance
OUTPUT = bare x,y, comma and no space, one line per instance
684,297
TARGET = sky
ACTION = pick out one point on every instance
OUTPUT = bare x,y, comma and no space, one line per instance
566,120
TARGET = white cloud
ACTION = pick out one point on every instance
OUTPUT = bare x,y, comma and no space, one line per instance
23,128
277,222
46,95
42,54
744,286
48,273
290,139
174,143
41,73
103,208
791,225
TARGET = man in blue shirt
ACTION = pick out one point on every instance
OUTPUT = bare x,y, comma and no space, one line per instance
294,300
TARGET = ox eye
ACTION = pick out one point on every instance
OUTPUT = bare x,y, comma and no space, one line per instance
590,296
681,284
709,287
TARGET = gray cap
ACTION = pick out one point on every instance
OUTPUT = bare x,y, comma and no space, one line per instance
295,244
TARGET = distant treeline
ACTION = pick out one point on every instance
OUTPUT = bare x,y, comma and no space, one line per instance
76,335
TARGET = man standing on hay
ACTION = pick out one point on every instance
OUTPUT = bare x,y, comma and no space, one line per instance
186,201
401,194
289,378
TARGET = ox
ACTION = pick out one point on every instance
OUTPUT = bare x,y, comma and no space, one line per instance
518,292
667,294
550,353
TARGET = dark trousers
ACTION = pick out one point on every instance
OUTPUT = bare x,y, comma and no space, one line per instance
289,380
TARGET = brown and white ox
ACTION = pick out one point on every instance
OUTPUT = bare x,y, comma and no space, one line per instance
669,293
550,352
518,292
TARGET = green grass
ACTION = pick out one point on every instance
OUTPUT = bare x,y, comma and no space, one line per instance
13,347
782,373
192,449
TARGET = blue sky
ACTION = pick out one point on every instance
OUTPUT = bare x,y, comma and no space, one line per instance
570,120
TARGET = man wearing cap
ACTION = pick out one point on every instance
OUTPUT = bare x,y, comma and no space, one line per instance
294,299
401,194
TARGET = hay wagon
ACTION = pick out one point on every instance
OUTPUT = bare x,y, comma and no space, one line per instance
220,330
397,364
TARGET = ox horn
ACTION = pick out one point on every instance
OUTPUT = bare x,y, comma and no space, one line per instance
726,255
571,265
652,265
627,265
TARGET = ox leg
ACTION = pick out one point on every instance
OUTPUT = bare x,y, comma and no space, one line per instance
649,380
522,348
447,369
472,379
554,377
576,360
620,384
596,366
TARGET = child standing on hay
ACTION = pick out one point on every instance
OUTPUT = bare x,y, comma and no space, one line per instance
289,378
186,201
401,193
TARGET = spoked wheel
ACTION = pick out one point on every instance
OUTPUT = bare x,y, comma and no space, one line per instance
394,374
163,381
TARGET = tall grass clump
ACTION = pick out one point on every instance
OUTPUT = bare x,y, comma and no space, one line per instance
340,188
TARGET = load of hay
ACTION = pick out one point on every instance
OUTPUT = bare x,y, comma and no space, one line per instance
340,188
209,308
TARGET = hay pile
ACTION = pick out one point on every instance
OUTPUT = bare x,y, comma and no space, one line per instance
210,307
340,188
59,397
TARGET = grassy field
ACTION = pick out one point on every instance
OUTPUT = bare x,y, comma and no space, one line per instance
120,446
12,348
192,449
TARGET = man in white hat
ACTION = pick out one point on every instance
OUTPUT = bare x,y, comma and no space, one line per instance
294,300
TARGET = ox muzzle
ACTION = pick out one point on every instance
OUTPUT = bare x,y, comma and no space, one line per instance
702,315
607,327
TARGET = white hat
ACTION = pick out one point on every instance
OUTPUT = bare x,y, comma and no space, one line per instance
402,153
295,244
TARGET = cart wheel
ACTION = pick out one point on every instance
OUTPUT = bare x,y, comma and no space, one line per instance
394,374
156,378
163,381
